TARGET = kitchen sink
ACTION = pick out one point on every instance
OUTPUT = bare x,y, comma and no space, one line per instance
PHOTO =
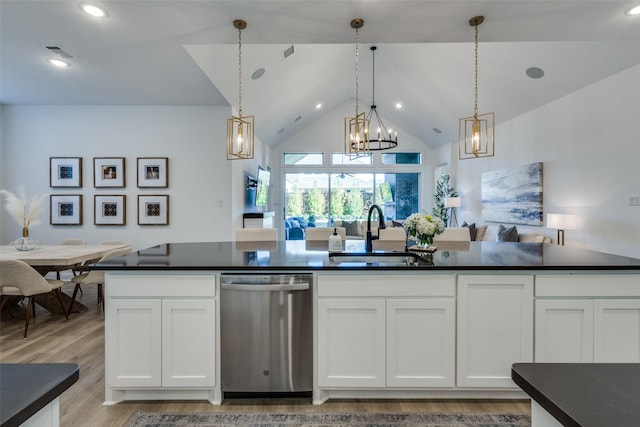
392,259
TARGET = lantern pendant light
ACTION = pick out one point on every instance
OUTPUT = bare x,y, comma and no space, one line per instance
356,128
240,128
476,133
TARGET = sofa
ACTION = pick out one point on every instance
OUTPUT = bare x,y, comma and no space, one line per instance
502,233
294,228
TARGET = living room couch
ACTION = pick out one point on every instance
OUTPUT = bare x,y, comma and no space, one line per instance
490,233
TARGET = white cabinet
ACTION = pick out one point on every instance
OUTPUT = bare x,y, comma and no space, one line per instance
420,342
160,333
587,318
385,332
495,328
351,343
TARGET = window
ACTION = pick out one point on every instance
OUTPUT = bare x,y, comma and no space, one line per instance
345,159
307,159
401,158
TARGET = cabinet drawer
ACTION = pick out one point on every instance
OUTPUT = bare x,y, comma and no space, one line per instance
381,285
588,285
154,285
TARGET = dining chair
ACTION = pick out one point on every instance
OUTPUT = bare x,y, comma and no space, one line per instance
60,268
453,234
323,233
95,277
256,234
18,278
114,242
390,239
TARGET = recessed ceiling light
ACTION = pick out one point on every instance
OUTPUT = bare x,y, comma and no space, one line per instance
93,10
257,73
535,72
318,106
398,106
58,63
634,10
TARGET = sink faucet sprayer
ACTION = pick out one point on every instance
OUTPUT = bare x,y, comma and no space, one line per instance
370,237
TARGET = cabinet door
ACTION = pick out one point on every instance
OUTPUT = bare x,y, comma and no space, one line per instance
188,343
564,331
617,331
420,343
133,340
351,343
495,328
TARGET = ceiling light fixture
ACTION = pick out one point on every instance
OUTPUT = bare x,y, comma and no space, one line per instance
383,138
93,10
634,11
476,133
58,63
356,128
240,128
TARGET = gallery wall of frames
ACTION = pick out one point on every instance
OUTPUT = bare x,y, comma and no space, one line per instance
109,179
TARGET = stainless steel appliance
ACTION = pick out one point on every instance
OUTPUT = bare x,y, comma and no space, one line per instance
266,332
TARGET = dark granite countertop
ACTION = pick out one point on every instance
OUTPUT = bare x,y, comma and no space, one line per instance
304,255
25,388
584,394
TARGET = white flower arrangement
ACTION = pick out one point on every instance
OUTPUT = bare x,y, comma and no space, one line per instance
423,227
23,209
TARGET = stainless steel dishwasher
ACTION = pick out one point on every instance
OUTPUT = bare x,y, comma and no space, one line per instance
266,333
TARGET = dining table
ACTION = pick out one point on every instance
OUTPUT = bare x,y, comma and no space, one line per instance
45,258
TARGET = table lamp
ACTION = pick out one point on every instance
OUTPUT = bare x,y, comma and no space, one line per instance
452,203
561,222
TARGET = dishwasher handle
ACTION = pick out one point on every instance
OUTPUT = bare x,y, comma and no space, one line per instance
302,286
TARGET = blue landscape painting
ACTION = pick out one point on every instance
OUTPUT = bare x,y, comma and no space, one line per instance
513,196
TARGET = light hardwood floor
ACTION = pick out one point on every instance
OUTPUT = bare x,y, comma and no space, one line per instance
81,340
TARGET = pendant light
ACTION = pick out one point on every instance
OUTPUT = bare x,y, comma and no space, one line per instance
356,128
382,138
476,133
240,128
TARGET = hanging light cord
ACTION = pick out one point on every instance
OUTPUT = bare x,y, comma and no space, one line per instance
240,72
373,76
475,108
357,53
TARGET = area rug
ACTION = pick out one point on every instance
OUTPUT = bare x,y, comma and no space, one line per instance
253,419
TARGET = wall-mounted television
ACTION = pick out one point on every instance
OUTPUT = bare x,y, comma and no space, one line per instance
262,188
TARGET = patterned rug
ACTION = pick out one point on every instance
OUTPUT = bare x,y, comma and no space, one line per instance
253,419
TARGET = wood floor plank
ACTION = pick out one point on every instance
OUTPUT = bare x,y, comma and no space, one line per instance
81,340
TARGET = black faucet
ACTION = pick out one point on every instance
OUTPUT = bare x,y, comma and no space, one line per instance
370,237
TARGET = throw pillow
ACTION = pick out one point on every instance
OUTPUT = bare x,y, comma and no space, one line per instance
350,227
472,230
480,232
396,224
507,234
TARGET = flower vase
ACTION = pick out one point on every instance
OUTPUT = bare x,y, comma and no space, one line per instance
24,243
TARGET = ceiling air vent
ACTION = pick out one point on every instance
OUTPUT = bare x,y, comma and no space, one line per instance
59,51
287,52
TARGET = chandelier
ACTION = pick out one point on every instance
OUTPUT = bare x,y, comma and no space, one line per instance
382,138
356,128
476,133
240,128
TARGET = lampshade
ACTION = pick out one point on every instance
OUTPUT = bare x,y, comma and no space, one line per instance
561,221
452,202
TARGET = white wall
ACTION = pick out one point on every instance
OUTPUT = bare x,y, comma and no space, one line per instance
326,134
588,142
203,186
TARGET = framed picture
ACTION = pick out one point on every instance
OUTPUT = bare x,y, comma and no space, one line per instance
65,209
153,210
153,172
109,210
108,172
65,172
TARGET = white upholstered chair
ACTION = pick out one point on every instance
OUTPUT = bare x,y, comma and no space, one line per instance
323,233
390,239
453,234
94,277
256,235
18,278
72,268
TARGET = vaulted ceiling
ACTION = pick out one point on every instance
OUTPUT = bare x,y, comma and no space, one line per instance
186,53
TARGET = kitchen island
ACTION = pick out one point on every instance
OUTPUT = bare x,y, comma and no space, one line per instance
446,325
